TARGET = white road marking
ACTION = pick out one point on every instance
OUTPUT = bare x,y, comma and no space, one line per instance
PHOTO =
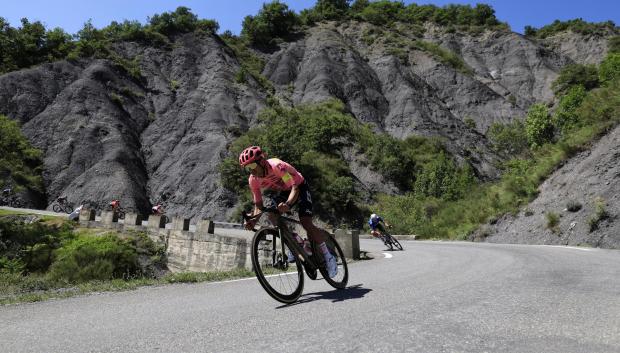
387,256
569,247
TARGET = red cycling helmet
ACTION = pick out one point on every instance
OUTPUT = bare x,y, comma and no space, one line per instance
250,155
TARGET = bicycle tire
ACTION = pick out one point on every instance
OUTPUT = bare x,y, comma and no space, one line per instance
341,279
57,208
396,243
68,209
120,214
264,261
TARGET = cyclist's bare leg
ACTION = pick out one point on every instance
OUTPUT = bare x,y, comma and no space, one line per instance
315,233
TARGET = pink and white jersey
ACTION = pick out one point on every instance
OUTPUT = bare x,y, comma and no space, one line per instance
280,176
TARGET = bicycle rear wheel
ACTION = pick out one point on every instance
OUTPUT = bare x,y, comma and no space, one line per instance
282,280
339,281
57,208
396,243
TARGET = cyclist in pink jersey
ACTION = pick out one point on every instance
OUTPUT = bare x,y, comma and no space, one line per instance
285,188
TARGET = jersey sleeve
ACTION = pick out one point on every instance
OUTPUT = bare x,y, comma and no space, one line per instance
289,175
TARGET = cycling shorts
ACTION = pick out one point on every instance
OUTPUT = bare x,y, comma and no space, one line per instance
304,201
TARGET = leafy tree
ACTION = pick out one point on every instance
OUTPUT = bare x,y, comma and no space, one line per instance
609,69
381,12
274,20
182,20
566,116
509,139
577,25
613,45
442,179
325,10
357,6
538,125
529,31
19,161
576,74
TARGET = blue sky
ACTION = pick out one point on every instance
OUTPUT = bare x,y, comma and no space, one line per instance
71,14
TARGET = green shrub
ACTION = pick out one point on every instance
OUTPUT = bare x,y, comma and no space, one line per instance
470,123
274,20
509,139
600,214
538,125
442,179
443,55
565,116
552,220
576,25
31,244
89,258
613,45
609,69
576,75
325,10
20,163
182,20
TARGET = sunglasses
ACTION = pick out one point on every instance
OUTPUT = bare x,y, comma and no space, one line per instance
250,167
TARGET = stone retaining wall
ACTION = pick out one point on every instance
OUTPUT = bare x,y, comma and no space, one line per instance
200,250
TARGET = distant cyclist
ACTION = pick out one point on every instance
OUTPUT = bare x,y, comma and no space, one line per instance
376,228
285,187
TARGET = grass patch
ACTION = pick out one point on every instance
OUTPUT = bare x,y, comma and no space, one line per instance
553,220
23,289
600,214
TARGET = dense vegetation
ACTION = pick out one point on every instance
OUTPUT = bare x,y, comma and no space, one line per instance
21,164
577,26
537,146
313,138
45,254
32,44
61,254
443,200
276,21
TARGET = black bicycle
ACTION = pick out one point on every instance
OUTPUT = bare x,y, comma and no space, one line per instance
115,205
62,205
281,275
8,198
391,242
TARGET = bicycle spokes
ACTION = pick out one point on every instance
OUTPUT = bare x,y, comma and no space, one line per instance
277,270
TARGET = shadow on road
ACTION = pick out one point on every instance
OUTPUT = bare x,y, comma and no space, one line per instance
351,292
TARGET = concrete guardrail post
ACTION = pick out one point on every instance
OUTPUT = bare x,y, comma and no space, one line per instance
156,222
349,241
86,215
132,220
205,226
108,218
179,223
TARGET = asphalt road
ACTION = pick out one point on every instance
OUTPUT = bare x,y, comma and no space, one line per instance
432,297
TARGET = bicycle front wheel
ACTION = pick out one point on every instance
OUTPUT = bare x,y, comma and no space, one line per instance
281,279
395,242
339,281
57,208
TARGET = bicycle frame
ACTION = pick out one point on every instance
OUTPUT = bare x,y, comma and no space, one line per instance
284,233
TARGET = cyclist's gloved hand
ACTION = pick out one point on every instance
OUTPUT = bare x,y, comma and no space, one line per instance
283,207
249,224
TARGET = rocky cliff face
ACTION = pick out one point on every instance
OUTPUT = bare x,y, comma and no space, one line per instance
106,134
586,185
